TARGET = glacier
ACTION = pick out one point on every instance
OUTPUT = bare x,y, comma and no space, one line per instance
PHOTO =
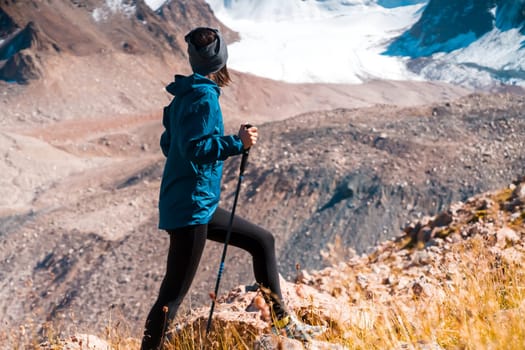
347,41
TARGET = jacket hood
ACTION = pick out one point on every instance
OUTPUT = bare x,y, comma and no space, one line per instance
184,84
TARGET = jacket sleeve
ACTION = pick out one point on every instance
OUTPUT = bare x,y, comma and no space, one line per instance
200,139
165,138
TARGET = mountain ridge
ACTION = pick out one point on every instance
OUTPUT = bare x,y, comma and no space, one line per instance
97,27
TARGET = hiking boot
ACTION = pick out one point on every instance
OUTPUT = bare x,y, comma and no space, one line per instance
291,327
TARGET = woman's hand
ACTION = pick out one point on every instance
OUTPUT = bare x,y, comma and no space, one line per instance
248,136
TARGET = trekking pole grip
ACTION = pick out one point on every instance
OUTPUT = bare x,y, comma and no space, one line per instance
245,153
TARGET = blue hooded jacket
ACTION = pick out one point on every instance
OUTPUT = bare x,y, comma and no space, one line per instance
195,147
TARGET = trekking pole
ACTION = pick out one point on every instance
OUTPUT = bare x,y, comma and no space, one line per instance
244,160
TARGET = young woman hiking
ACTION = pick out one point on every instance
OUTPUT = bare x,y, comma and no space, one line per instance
195,146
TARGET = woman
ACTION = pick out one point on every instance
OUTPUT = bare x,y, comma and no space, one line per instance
195,147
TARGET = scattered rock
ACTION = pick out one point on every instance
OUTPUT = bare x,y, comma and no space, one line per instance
79,342
506,236
274,342
443,219
519,192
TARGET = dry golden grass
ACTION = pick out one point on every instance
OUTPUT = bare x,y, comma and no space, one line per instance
482,308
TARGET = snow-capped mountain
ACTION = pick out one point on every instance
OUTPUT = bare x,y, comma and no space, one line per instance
316,41
473,42
277,10
476,43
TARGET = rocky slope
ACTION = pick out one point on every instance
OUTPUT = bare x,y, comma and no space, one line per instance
423,263
78,59
79,242
37,30
359,174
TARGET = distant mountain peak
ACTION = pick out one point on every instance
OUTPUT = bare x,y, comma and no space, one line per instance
85,28
451,39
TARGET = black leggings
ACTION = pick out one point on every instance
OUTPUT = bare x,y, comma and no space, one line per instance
185,251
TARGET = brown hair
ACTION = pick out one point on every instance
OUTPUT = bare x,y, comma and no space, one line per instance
201,38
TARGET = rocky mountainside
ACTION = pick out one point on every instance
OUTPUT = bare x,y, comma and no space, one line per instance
66,59
33,30
359,174
429,265
79,240
424,262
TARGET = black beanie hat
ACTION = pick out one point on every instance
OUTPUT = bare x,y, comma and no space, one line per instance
210,58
